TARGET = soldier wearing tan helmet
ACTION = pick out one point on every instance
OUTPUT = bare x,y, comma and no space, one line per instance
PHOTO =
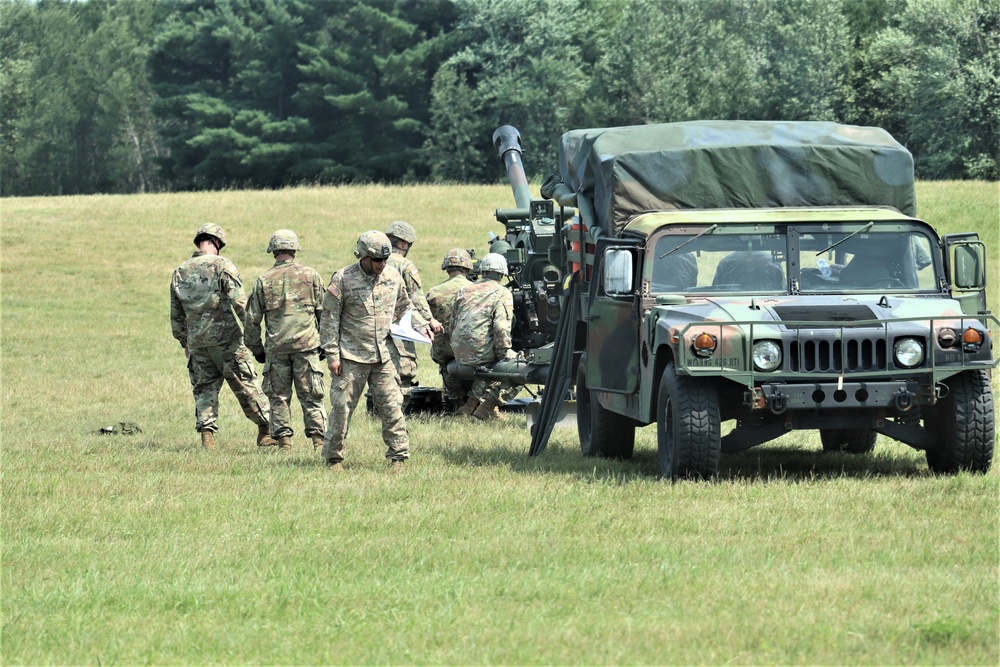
288,297
441,299
207,309
481,333
402,236
361,302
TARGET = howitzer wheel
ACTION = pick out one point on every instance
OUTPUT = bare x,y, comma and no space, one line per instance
602,432
688,429
850,440
964,423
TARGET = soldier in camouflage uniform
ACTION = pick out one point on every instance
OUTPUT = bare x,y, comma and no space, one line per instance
441,299
289,297
362,300
402,235
480,334
207,309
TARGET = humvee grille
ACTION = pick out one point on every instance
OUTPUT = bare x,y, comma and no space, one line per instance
865,354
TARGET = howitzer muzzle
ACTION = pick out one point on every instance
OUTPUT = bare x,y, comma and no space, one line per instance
507,138
507,141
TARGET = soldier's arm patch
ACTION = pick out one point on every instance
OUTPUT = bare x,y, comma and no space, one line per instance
230,269
334,290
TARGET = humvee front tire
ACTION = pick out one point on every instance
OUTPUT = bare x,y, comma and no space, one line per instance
964,424
602,432
688,427
850,440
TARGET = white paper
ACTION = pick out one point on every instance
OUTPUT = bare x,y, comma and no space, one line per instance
404,330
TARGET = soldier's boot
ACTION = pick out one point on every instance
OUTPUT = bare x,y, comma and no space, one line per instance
467,409
396,466
208,439
285,443
334,466
317,441
488,410
264,438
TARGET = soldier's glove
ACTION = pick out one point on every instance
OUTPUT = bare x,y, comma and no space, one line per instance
260,357
511,354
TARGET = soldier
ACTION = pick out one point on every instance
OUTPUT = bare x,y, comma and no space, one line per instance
480,333
402,236
362,300
289,296
441,300
207,309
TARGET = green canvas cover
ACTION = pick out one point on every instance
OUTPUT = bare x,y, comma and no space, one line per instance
618,172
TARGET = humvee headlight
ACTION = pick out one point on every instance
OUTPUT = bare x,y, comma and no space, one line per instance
909,352
766,355
704,344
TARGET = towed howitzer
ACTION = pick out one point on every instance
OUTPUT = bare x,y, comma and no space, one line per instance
533,249
534,246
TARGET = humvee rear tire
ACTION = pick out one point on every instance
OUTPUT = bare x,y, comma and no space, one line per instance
688,428
964,424
602,432
850,440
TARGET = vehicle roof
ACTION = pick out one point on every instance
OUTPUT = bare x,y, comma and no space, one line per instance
647,223
619,172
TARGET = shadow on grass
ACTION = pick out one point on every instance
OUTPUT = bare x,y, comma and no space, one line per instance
763,464
795,464
767,463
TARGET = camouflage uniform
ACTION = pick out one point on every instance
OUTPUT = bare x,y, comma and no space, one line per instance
357,312
289,296
480,332
405,352
441,300
207,308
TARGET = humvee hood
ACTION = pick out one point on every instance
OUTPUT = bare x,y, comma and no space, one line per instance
828,310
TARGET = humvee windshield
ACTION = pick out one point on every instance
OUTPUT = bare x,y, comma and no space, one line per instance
829,258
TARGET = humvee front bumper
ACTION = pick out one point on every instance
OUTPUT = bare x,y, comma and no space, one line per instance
898,395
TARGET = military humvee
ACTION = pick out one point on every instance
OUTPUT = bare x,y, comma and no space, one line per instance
768,274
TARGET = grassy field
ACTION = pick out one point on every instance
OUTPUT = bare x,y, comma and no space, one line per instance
144,549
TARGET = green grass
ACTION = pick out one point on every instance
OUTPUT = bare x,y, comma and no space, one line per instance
144,549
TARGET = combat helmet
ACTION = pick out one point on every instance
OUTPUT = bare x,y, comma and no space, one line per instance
456,258
374,244
402,230
213,230
283,239
493,263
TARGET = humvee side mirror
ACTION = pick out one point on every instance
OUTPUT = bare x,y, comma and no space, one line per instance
617,271
968,266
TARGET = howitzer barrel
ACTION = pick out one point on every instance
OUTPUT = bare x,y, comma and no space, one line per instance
507,141
511,370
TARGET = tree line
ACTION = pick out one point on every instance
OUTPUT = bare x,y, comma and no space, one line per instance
130,96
